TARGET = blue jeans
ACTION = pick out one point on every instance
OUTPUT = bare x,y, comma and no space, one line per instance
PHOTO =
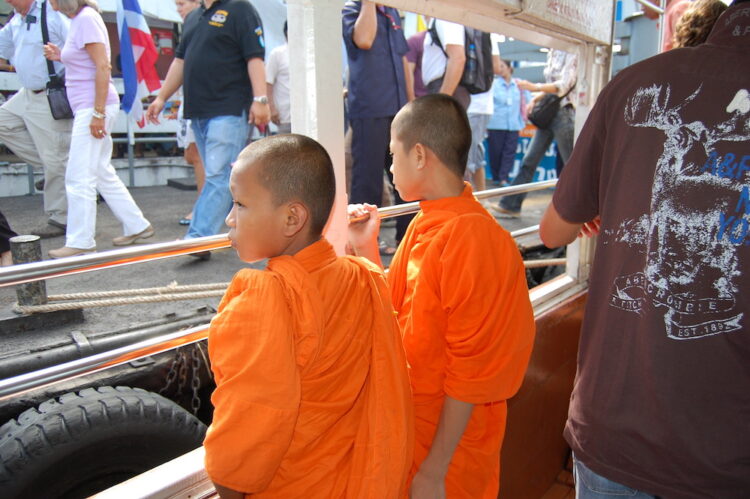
219,141
589,485
561,130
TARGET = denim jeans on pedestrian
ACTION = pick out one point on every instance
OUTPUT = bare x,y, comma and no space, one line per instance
561,130
589,485
219,140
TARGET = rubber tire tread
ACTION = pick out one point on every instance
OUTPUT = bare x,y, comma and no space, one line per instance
67,431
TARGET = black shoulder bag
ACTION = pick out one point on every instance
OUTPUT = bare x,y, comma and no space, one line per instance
545,109
57,96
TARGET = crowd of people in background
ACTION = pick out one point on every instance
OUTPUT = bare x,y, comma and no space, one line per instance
385,70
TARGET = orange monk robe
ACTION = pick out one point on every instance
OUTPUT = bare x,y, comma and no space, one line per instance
312,396
459,287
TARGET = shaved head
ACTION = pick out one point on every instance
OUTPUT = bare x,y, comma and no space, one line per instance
294,168
439,123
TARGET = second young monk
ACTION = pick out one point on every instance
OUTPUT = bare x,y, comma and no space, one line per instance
459,288
312,395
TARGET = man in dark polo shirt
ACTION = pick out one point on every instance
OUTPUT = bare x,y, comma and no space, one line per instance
219,63
376,49
661,402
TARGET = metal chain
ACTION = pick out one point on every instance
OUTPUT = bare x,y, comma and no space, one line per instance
178,373
171,375
195,403
182,378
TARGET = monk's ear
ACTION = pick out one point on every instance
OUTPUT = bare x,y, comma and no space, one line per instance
296,218
419,152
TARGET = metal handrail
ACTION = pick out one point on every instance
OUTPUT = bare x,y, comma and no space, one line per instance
48,269
23,383
18,385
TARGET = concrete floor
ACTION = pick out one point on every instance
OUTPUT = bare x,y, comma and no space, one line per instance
163,206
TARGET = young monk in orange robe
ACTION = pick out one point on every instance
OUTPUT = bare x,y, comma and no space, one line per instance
459,287
312,394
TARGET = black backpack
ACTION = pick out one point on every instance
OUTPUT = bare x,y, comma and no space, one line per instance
478,74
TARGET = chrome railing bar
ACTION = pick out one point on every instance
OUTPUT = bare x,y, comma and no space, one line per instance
23,383
18,385
525,231
516,189
48,269
409,208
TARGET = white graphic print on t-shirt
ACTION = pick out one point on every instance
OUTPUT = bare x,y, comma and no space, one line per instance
691,264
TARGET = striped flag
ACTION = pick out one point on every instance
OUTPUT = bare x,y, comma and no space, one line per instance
137,57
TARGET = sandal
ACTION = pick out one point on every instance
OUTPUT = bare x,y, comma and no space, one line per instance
186,220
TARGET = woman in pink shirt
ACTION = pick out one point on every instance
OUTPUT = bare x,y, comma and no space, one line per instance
95,104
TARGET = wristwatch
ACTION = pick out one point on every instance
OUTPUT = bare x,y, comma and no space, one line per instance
262,99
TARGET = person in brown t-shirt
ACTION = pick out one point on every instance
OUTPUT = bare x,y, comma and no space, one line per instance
661,398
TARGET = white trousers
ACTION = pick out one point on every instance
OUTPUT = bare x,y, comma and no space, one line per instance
28,129
90,170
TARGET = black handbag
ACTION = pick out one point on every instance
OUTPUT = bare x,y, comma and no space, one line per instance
57,96
545,110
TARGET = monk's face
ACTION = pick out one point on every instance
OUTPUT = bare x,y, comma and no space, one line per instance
255,222
404,167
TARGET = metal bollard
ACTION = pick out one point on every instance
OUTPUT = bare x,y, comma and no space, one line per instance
26,249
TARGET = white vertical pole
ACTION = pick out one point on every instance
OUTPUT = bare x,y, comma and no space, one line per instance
317,90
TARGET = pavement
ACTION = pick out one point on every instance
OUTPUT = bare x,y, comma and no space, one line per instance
163,206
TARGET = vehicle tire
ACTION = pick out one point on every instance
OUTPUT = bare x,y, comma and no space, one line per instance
81,443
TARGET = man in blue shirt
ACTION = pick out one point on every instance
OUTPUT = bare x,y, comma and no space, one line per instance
376,48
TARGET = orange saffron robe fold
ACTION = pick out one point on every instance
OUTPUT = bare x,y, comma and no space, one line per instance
312,394
459,288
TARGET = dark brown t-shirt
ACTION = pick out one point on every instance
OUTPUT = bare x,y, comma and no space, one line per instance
662,397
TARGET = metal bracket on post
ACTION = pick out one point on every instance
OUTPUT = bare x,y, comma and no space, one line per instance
27,249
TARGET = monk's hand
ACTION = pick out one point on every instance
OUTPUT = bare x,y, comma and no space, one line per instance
427,485
591,229
364,225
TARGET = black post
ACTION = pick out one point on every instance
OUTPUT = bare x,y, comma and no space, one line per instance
27,249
